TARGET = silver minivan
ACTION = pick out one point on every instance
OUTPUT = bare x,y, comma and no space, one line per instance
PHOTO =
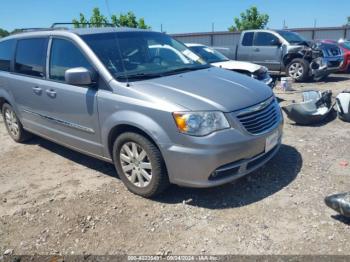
161,116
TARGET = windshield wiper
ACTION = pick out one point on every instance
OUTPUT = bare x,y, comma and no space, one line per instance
138,76
185,69
141,76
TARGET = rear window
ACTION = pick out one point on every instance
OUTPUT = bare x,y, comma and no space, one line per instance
248,39
6,53
31,56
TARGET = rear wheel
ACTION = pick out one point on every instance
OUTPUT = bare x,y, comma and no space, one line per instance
298,69
140,165
13,125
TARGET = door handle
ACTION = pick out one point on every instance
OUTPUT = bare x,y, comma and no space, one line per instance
256,50
37,90
51,93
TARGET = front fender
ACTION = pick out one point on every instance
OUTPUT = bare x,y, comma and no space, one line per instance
134,119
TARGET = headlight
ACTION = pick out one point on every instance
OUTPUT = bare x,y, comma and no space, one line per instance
263,69
260,73
200,123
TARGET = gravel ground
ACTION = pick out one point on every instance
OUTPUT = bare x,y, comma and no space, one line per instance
56,201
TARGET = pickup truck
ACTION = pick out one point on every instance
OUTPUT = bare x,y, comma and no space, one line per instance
286,51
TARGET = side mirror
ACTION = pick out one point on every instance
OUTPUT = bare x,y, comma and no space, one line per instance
79,76
276,42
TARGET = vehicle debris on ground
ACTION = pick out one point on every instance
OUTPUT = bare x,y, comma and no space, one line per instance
343,105
314,108
340,203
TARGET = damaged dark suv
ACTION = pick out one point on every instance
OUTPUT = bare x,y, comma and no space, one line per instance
286,51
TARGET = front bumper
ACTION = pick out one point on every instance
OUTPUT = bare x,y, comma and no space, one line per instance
219,158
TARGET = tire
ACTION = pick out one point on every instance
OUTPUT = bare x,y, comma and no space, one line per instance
298,69
13,125
132,170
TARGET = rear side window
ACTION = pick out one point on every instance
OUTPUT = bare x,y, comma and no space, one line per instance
248,39
264,39
65,55
6,52
31,56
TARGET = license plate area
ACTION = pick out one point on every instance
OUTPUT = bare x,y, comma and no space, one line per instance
271,141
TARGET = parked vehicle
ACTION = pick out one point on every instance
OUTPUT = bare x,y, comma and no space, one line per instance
286,51
345,47
215,58
159,119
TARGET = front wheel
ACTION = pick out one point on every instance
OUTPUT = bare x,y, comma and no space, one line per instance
140,165
298,69
13,125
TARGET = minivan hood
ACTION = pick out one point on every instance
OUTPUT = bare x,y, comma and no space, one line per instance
206,89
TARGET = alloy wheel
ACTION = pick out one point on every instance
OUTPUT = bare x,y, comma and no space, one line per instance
11,122
296,70
136,164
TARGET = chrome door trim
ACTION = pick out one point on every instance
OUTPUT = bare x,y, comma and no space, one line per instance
62,122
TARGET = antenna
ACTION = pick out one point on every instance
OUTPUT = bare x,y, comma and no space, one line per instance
118,46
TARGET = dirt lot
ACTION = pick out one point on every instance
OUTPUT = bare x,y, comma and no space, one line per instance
56,201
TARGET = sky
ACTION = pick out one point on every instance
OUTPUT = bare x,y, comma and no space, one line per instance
177,16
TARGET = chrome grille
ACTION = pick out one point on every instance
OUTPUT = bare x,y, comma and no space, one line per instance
260,118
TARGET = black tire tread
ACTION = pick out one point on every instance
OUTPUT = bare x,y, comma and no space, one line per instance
24,135
161,181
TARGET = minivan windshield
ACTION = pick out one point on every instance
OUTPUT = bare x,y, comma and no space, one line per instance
141,55
209,55
291,37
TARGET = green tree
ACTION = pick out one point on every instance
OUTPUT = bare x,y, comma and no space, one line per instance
81,22
250,19
3,33
142,24
98,20
129,20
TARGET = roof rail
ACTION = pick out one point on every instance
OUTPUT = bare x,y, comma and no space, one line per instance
57,26
23,30
88,24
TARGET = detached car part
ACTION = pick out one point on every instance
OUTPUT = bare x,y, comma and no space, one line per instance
339,203
315,108
343,105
